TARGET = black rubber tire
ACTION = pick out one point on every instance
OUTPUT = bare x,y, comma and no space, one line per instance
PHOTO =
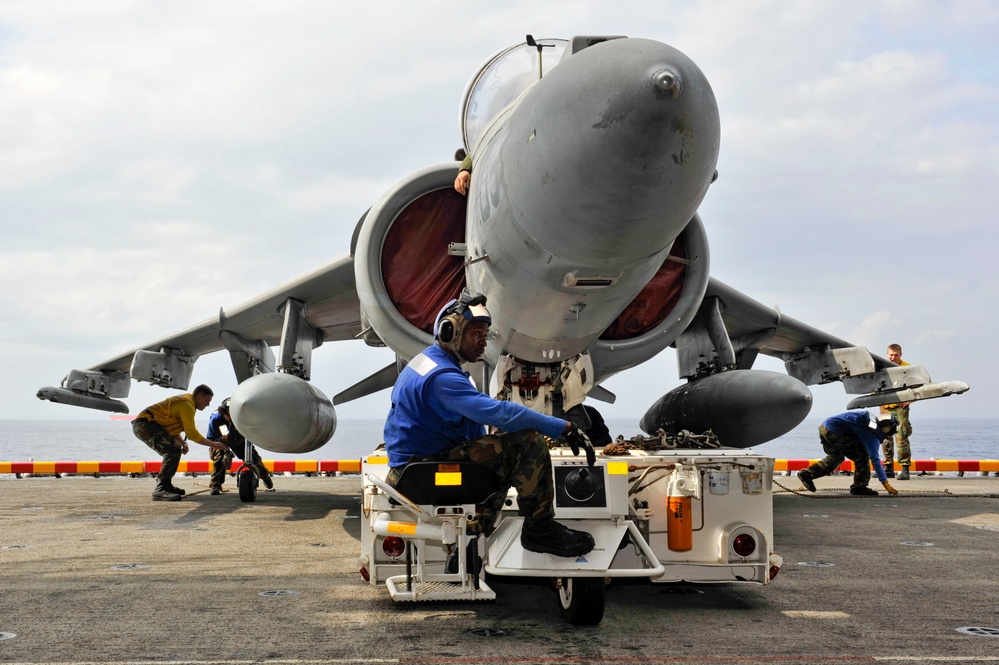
246,480
581,600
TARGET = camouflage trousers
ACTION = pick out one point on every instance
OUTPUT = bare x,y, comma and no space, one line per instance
838,447
518,459
902,435
222,459
153,435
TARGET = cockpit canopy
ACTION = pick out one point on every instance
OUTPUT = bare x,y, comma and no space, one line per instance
508,74
501,80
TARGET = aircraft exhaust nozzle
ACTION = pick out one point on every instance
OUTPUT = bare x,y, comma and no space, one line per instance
282,413
742,407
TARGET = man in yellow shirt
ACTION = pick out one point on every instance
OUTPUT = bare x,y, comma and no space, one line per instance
160,427
901,412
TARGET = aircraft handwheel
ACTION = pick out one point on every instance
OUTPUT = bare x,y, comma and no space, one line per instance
247,482
581,600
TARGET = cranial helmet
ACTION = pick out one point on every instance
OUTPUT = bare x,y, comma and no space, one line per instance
451,321
887,424
224,406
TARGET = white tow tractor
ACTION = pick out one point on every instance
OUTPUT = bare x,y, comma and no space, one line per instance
693,515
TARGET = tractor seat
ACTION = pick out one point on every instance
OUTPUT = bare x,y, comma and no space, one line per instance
446,483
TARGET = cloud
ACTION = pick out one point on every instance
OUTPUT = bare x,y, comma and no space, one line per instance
159,161
931,337
874,327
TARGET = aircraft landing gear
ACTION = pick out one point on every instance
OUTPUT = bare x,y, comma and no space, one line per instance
246,480
581,599
246,477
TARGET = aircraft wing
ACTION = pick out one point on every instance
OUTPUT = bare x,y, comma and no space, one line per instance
810,355
318,306
746,407
768,330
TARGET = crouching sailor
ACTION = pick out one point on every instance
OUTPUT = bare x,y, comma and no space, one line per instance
857,436
437,414
160,426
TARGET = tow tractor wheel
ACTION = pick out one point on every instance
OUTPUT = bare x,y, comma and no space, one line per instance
246,480
581,600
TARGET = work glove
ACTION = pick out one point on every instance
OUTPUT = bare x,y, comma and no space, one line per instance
577,439
891,490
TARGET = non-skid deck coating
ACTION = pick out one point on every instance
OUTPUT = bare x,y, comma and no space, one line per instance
92,570
137,467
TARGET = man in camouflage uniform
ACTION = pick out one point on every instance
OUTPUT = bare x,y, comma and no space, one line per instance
855,436
220,426
438,414
520,456
160,426
901,413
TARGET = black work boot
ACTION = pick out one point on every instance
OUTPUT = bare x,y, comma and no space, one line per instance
266,478
889,468
162,493
805,476
551,537
176,490
863,491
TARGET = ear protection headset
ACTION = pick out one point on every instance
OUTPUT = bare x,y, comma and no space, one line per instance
451,321
448,327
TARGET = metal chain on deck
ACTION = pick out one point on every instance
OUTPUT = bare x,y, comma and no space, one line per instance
842,493
662,440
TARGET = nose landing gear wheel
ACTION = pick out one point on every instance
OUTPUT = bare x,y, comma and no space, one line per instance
581,600
246,480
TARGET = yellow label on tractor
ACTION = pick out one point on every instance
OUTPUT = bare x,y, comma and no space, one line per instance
447,478
617,468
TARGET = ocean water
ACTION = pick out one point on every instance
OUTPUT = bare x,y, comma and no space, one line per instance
107,440
937,438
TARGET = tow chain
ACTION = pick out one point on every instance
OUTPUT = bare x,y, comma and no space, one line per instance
827,494
662,440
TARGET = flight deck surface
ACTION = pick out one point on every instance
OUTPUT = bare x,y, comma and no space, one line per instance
96,572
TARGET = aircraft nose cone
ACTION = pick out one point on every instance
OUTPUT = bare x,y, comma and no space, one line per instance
620,145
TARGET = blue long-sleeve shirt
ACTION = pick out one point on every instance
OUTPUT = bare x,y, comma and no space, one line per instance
235,441
435,405
215,423
858,424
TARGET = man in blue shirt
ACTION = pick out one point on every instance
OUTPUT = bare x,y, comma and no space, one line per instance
221,427
438,414
857,436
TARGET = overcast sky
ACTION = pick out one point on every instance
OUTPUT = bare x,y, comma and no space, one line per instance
160,160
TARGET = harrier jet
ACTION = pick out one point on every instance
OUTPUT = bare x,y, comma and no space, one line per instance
590,157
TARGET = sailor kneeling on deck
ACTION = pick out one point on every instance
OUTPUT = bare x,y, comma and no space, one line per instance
438,414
